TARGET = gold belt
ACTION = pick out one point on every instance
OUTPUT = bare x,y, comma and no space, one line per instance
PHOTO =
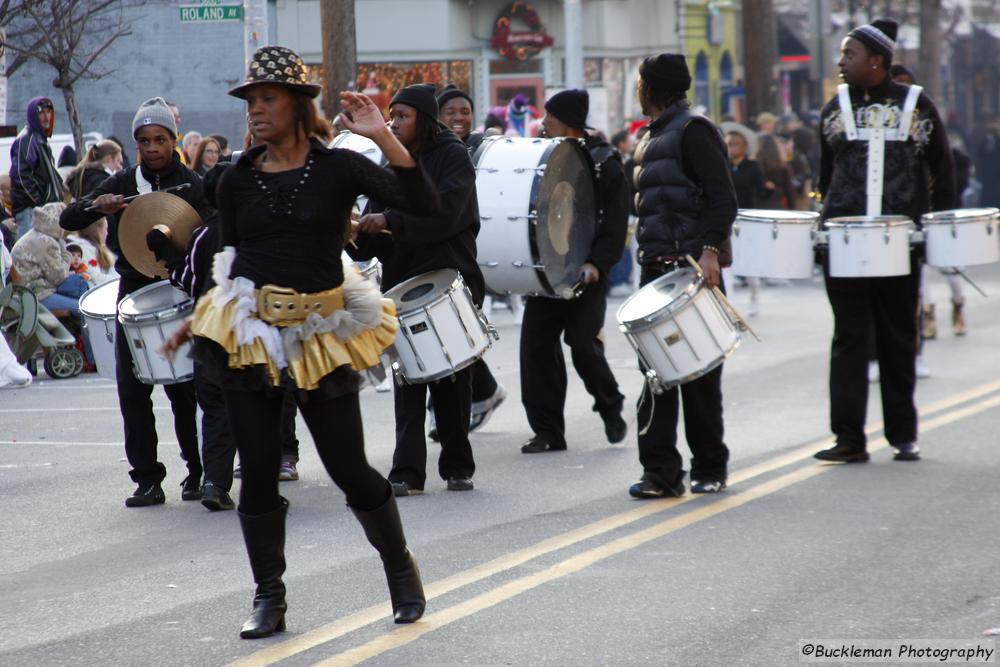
283,306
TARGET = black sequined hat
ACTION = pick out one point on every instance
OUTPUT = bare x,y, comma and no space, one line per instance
280,66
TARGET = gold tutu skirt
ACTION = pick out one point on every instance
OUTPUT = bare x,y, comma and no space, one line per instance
321,353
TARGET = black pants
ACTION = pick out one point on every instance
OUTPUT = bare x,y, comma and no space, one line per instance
452,398
217,445
484,385
543,368
703,425
136,404
289,441
887,308
336,428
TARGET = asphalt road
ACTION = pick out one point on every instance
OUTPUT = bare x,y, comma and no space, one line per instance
548,561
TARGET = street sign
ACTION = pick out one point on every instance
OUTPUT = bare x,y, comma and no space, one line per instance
211,12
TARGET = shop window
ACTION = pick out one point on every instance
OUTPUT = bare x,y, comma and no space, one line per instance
725,80
380,81
508,67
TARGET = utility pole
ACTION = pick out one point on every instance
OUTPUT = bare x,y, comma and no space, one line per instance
760,56
340,57
930,48
254,28
573,17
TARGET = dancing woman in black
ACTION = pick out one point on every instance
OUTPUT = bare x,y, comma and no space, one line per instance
285,304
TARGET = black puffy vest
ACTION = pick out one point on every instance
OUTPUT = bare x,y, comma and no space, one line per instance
669,204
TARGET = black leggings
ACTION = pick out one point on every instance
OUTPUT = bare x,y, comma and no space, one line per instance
335,426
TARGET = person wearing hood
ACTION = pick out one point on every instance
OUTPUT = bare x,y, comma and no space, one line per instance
416,245
34,179
579,320
918,177
156,136
455,112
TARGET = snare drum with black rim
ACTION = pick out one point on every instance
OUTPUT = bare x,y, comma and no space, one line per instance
538,214
149,317
441,331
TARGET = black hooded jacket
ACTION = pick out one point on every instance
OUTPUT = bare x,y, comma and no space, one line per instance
613,200
443,240
76,217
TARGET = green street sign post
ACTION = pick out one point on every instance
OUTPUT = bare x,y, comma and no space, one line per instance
211,12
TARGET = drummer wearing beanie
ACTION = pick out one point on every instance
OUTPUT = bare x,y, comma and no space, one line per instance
918,177
686,206
579,320
155,134
409,245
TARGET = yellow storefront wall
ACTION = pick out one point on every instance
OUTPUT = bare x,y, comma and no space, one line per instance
709,33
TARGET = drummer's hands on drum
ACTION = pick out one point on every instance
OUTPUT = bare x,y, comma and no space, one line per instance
589,274
169,348
709,263
373,223
109,204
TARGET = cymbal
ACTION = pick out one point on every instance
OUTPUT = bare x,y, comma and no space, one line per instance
148,210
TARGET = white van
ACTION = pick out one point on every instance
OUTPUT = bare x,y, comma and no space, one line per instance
57,142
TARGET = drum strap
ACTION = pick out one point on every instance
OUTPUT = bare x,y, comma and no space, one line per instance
142,186
875,135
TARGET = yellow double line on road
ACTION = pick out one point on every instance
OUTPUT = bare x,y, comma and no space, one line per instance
437,620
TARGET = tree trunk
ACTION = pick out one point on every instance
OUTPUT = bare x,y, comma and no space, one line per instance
760,56
930,49
74,121
339,52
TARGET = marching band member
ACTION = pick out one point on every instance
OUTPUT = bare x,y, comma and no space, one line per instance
281,309
579,320
686,206
918,177
409,244
455,112
160,167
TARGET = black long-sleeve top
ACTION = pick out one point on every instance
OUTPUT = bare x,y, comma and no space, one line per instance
446,239
919,172
76,217
292,233
706,160
748,181
613,203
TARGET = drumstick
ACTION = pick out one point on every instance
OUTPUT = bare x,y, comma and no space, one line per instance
719,293
176,188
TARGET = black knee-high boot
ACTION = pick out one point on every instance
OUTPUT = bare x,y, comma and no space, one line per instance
385,532
264,535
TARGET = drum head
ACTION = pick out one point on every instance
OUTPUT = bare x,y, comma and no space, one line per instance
422,290
101,301
777,215
668,292
566,212
359,144
959,215
152,299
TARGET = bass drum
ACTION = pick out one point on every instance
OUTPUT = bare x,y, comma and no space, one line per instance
355,142
538,212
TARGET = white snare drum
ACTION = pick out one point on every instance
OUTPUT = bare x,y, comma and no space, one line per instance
869,247
99,307
680,329
963,237
538,214
440,329
774,244
359,144
149,316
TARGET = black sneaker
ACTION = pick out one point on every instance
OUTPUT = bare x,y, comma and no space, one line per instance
843,454
707,486
403,489
536,445
146,495
907,451
460,484
191,488
646,489
615,428
216,499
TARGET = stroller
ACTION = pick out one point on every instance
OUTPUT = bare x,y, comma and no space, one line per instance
29,327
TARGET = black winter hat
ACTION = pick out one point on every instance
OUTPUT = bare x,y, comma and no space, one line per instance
667,71
570,107
420,96
450,92
879,36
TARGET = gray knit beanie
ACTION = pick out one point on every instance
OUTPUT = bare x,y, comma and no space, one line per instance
154,111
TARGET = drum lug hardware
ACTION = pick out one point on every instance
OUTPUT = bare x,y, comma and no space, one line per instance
488,170
653,380
490,265
989,230
736,230
886,236
521,265
485,217
774,231
397,374
954,230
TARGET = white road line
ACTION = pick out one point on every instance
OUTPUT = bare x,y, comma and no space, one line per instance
72,443
115,409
